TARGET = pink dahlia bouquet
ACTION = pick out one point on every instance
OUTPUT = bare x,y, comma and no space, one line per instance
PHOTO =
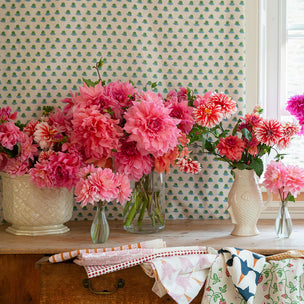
295,106
40,148
136,131
243,144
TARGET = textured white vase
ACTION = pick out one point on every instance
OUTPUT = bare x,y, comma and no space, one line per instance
34,211
246,203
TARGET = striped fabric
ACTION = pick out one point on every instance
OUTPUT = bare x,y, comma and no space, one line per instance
61,257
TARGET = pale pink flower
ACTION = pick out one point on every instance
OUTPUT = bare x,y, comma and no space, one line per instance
149,124
269,131
188,165
132,163
294,180
9,135
231,147
124,190
96,134
208,115
44,135
275,176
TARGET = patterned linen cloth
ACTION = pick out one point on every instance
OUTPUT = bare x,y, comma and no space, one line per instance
280,282
244,268
182,277
123,263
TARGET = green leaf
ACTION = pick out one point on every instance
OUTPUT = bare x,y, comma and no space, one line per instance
236,127
290,198
257,166
247,134
100,63
90,83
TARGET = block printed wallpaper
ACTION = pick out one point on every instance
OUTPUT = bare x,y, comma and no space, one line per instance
47,47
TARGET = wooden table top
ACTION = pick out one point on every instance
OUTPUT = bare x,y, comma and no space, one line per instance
211,233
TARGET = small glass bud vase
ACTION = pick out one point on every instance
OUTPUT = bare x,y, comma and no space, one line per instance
283,223
100,227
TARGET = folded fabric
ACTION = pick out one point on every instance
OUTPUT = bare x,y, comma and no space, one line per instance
96,270
286,255
60,257
182,277
280,282
244,268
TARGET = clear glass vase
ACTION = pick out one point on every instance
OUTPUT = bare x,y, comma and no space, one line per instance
283,223
100,227
145,212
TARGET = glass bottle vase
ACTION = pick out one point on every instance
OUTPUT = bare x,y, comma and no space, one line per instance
283,223
100,227
145,212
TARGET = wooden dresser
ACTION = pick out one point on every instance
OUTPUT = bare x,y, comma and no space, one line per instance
23,280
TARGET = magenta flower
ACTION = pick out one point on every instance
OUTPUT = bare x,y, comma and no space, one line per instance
9,135
150,125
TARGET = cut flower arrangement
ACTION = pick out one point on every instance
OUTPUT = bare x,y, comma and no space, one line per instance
287,181
243,145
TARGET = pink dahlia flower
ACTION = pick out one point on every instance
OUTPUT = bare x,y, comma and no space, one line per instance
269,132
294,180
231,147
208,115
253,120
9,135
6,115
183,112
275,176
149,124
130,162
124,190
96,134
40,175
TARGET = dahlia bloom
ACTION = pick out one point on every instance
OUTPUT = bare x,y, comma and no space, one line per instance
5,115
269,131
187,165
102,185
295,105
231,147
9,135
96,134
44,135
227,105
130,162
183,112
208,115
150,125
164,162
290,129
284,179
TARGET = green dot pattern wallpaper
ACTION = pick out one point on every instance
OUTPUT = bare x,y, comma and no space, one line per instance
48,46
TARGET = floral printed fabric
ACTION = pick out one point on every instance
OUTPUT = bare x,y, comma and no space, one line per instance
280,282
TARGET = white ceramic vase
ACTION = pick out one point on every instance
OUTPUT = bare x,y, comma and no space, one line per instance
245,203
34,211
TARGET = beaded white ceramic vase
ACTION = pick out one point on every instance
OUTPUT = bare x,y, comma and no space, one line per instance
32,210
246,203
